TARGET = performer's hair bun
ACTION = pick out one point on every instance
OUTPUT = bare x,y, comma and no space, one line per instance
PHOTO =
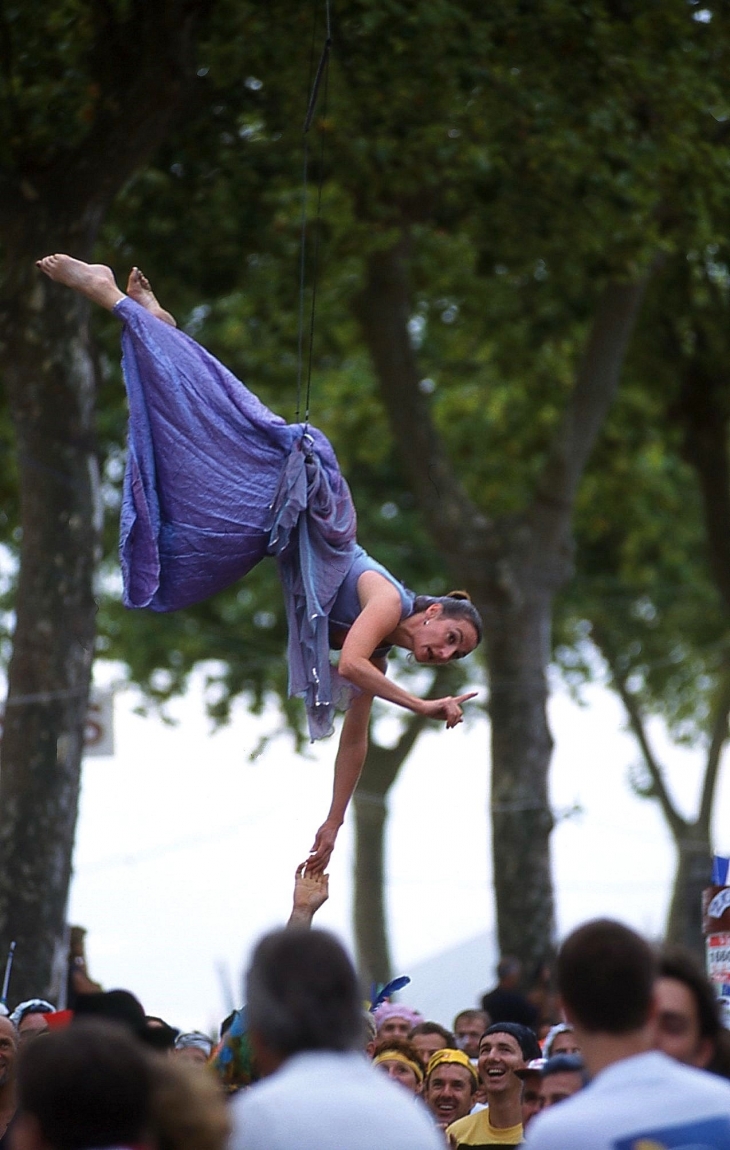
459,595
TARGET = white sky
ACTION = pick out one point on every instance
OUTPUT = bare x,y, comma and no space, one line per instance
186,851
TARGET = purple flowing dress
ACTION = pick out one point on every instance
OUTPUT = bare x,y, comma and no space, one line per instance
214,482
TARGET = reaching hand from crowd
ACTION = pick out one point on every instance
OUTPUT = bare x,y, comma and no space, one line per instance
311,891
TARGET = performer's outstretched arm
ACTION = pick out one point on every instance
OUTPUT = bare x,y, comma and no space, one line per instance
351,752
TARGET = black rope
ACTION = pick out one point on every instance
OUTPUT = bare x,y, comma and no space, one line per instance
321,77
315,259
303,243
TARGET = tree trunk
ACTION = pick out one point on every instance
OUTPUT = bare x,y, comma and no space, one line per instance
48,373
141,68
518,639
513,568
371,929
693,874
380,771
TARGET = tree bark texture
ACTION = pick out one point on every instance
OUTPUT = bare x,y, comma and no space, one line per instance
513,568
140,65
49,378
693,874
370,921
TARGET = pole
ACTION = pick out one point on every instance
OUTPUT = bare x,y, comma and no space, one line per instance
8,970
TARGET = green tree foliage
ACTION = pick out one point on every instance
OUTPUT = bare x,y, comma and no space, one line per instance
527,161
502,184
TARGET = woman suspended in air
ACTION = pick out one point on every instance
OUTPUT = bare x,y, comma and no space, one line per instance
214,482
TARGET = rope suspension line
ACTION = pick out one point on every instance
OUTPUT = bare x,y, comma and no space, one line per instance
320,82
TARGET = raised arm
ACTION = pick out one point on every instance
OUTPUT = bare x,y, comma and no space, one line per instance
311,891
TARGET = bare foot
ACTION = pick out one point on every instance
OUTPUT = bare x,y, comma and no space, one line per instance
138,288
95,281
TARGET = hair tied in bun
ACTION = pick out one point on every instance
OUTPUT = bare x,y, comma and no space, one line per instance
459,595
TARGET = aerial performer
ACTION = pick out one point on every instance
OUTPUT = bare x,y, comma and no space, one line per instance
214,482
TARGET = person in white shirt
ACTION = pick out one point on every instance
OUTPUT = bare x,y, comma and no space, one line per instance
319,1092
638,1097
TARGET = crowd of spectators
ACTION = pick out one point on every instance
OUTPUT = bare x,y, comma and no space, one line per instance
619,1046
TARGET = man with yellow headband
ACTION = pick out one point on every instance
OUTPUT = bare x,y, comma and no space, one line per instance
450,1086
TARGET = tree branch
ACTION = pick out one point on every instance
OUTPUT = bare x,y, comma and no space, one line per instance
595,387
383,310
678,826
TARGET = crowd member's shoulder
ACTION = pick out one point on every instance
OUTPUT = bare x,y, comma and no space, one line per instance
463,1126
691,1078
644,1086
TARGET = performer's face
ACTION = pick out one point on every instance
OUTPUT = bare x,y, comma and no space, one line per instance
441,638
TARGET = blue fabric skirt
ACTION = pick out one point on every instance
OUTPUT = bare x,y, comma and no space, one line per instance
214,482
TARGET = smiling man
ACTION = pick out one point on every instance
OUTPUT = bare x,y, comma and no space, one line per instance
450,1086
504,1048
